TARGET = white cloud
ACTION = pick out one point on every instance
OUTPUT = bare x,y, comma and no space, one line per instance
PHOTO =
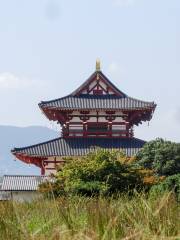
116,69
124,3
11,81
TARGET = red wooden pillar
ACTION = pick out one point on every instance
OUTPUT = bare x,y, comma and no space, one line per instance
110,129
42,171
84,129
67,129
127,129
42,168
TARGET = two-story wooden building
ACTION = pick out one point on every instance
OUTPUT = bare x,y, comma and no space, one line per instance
97,114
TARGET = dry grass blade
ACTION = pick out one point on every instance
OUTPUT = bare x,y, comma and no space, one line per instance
162,203
132,236
136,218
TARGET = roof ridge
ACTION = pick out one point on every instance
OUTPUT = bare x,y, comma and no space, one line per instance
103,76
107,79
84,83
69,95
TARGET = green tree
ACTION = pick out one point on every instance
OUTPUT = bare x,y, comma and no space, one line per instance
161,156
171,183
99,173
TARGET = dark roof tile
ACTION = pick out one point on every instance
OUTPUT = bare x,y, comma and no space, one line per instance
22,182
97,102
80,146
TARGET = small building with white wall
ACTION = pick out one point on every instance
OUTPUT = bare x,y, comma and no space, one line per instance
21,188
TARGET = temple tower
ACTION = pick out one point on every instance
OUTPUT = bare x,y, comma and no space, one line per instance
97,114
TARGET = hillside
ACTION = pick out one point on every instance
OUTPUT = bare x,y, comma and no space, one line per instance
11,137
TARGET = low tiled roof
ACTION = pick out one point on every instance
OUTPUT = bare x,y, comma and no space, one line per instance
80,146
21,182
91,102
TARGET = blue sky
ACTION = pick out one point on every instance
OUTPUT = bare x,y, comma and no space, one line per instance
49,47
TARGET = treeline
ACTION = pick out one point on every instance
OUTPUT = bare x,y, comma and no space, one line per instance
154,170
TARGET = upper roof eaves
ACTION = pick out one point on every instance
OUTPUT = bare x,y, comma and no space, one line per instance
77,100
97,102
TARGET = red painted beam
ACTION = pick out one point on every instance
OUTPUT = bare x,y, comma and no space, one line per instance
37,161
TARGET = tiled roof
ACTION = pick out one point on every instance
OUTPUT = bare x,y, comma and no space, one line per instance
101,75
21,182
80,146
97,102
77,100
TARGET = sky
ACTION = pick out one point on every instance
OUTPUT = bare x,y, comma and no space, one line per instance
49,47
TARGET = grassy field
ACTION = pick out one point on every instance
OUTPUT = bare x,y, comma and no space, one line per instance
88,218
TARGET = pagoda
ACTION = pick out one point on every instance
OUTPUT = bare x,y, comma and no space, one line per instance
95,115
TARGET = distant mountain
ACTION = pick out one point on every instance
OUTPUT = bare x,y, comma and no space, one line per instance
11,137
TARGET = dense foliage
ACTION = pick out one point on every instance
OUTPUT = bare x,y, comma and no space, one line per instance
171,183
72,216
106,173
163,157
99,173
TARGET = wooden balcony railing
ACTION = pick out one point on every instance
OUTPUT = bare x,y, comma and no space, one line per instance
103,133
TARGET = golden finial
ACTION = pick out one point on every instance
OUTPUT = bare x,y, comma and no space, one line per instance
98,65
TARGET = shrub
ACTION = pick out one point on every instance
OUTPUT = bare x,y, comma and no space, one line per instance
171,183
99,173
161,156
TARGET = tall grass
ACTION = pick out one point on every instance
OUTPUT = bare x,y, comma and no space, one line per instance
89,218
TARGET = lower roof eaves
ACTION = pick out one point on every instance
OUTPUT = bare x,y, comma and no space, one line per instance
80,147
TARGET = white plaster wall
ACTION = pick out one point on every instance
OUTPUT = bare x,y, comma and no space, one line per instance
92,84
92,119
102,84
102,113
25,196
74,127
84,92
75,119
118,127
5,195
50,171
75,113
119,119
77,135
52,158
102,119
92,113
50,165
